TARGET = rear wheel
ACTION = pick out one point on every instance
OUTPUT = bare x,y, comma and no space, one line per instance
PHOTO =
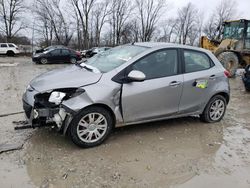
73,60
230,61
215,109
91,127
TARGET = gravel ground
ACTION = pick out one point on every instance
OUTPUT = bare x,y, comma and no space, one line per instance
175,153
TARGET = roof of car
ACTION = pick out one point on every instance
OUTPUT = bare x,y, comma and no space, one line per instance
165,44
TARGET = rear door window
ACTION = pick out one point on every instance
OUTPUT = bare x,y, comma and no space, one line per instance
11,45
196,61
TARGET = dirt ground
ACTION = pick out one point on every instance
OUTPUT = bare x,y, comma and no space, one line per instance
179,153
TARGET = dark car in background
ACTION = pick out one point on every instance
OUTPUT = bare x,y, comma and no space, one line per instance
49,48
93,51
57,55
246,78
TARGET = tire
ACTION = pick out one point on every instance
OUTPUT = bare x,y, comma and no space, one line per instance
44,61
209,114
230,62
84,127
10,53
73,60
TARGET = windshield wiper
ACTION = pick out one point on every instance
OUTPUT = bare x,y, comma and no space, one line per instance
79,64
90,68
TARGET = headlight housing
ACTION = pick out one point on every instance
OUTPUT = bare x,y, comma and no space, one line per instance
56,97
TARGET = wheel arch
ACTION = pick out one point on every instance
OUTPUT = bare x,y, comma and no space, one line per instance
104,106
10,52
223,94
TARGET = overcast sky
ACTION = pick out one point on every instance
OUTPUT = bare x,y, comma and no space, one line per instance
207,6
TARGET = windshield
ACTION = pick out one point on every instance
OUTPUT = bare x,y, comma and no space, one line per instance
113,58
233,30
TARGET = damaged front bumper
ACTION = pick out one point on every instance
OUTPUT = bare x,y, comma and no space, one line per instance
39,112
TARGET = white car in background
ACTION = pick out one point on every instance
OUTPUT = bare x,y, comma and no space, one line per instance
9,49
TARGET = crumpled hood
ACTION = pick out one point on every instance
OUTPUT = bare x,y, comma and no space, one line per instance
68,77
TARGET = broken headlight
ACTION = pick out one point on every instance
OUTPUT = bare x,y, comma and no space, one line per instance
57,96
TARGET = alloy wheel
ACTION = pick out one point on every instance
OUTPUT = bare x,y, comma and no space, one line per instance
217,109
92,127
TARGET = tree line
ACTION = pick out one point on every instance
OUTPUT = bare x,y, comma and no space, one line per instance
83,24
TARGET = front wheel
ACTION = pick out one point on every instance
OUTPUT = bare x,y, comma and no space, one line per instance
10,53
215,109
91,127
44,61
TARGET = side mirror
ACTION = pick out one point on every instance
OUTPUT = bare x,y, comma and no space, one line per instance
136,76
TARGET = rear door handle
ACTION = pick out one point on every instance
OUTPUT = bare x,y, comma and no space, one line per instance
212,77
175,83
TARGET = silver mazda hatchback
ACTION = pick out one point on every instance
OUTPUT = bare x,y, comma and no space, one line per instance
129,84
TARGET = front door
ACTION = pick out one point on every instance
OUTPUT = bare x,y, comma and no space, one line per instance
55,56
159,95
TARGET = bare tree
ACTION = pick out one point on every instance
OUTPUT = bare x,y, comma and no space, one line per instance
226,10
168,30
130,32
121,10
10,14
53,18
84,8
149,13
196,31
187,22
100,13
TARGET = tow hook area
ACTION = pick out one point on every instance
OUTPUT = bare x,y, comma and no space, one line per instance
26,125
44,117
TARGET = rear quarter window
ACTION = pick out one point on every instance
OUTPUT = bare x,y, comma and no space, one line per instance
196,61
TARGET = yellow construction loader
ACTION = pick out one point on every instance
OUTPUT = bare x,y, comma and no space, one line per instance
233,50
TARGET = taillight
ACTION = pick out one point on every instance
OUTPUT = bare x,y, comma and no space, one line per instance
16,48
226,73
78,53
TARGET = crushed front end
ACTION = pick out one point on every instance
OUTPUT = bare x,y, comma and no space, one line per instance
46,108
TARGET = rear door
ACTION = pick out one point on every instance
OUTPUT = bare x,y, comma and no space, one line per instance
199,80
159,95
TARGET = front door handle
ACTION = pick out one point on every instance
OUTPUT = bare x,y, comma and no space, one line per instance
174,83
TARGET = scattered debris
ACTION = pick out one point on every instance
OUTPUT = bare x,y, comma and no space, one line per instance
20,122
10,147
8,64
65,176
148,167
116,175
10,114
